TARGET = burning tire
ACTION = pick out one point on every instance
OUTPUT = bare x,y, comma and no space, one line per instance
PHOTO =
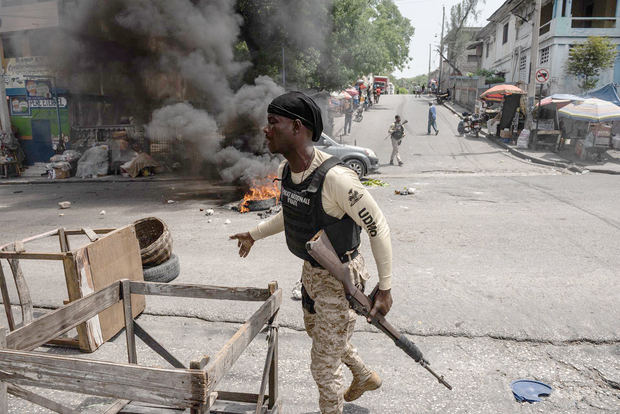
163,273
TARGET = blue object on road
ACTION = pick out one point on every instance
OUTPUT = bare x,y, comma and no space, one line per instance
529,390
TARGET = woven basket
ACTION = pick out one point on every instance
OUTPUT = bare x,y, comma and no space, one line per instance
155,241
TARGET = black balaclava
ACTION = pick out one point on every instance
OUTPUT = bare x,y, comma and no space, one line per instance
296,105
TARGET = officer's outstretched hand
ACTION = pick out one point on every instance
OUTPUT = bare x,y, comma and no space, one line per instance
381,304
245,243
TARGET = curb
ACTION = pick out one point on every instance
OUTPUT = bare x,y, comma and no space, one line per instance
567,165
100,181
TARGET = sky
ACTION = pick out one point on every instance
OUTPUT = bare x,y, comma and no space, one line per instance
425,16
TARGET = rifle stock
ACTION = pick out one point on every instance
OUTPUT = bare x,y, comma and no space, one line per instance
321,249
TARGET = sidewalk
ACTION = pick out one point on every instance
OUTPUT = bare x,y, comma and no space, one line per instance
566,158
32,175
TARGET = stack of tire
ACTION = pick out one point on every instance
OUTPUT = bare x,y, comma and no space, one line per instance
159,264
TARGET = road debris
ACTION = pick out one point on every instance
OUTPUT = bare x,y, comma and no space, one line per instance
64,204
171,201
102,213
270,211
209,212
405,191
373,182
525,390
227,221
296,291
61,214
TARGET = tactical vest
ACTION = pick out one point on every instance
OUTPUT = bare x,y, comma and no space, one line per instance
304,216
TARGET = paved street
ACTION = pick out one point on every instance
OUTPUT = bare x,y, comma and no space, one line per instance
503,270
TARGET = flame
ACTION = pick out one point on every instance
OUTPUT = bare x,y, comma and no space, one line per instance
262,189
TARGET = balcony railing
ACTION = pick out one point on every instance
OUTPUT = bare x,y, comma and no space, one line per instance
593,22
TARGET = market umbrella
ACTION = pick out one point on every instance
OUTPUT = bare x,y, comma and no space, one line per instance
352,91
560,99
592,110
498,92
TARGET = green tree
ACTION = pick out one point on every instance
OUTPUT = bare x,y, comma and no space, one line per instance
458,36
589,58
326,44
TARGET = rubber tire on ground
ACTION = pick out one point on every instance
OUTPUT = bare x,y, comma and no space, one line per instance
461,128
357,166
165,272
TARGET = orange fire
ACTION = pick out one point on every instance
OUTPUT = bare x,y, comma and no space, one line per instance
262,189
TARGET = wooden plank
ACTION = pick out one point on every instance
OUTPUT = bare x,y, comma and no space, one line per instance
273,369
64,240
35,256
200,291
6,300
37,399
63,319
92,236
265,379
111,258
226,357
145,408
19,247
4,399
199,364
117,406
129,334
25,301
73,265
157,347
245,397
79,232
169,387
66,342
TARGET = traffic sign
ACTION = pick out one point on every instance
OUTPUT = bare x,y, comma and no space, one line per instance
542,75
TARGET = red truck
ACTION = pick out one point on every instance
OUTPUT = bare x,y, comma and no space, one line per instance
381,82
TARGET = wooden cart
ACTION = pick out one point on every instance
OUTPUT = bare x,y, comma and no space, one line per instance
110,256
150,389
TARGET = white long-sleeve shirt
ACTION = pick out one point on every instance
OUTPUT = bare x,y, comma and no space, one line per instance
343,193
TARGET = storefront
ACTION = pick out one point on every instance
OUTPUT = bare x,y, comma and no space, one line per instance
36,108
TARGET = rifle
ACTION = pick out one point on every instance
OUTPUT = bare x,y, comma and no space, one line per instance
321,249
388,135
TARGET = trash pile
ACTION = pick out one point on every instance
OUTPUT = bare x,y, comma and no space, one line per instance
94,162
63,165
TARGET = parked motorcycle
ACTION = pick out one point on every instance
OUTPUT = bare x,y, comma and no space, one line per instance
469,124
359,114
442,98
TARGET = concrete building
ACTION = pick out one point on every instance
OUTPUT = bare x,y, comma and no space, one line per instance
28,29
506,40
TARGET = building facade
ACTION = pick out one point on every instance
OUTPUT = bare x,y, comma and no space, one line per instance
506,40
38,108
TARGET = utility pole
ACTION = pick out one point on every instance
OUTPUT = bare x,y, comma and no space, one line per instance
283,70
443,17
428,80
531,84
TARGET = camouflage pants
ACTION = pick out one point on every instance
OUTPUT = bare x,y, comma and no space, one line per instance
331,328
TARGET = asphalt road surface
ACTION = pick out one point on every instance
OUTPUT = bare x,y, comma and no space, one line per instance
503,270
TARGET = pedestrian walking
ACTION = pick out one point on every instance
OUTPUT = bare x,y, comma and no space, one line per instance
432,118
319,193
348,116
397,132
